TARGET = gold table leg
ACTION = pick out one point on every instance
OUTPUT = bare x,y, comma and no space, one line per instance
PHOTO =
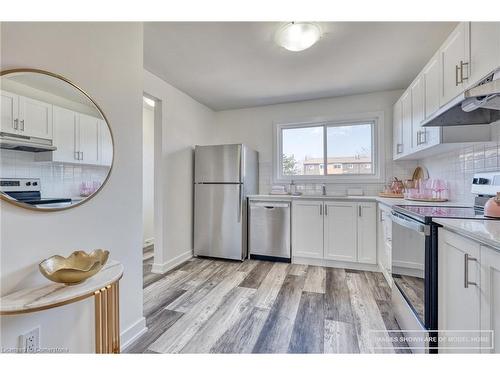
107,319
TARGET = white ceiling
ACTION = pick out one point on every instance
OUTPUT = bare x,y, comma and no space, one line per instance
237,64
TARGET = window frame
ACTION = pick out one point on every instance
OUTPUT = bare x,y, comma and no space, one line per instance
378,147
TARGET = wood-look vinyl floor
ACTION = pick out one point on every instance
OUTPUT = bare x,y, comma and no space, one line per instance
217,306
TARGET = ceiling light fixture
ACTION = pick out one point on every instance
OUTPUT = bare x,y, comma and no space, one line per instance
298,36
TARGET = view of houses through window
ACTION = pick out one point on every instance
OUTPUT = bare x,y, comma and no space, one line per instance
348,150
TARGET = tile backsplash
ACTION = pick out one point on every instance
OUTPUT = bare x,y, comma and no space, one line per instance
58,180
458,166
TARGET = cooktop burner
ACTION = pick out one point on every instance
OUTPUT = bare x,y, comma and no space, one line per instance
426,213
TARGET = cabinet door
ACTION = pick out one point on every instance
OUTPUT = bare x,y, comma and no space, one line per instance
106,146
397,131
35,118
417,112
384,241
307,229
341,231
458,305
490,296
9,115
88,139
406,126
485,49
65,135
432,84
454,54
367,233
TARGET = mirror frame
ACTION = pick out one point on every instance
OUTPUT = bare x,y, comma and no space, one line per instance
3,196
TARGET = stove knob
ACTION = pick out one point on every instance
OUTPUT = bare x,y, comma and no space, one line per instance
28,183
35,183
474,180
482,181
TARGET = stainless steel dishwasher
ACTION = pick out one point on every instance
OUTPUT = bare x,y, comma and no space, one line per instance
269,231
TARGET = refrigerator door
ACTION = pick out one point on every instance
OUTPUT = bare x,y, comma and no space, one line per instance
218,221
218,164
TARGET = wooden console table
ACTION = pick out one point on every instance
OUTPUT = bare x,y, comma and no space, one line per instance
104,287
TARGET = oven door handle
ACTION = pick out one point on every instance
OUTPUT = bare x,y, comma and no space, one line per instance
407,223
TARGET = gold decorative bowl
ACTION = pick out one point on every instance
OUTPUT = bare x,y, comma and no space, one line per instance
76,268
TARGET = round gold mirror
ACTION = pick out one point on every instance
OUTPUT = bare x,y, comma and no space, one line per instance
56,146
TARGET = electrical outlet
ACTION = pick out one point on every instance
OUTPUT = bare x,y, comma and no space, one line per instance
30,341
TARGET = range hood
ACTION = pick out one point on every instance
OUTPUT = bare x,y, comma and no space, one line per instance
24,143
478,105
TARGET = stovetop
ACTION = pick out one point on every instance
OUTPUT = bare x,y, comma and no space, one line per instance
427,213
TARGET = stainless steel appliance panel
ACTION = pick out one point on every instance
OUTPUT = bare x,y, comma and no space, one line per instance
269,229
218,221
250,171
221,163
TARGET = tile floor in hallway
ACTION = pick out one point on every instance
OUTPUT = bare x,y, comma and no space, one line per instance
217,306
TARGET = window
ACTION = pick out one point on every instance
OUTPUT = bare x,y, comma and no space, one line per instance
327,151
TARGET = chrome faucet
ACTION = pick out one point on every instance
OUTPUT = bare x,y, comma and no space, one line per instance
323,189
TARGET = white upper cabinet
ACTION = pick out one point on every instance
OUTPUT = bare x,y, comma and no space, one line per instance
65,127
26,116
88,139
106,146
367,233
417,107
406,121
469,54
10,108
455,63
432,84
307,229
397,130
484,50
341,231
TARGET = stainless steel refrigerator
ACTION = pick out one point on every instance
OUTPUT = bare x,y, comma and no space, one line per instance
223,177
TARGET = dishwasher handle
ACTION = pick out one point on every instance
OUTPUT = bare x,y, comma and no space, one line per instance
408,223
270,205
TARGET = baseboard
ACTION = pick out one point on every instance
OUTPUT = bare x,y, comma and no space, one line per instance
132,333
336,264
167,266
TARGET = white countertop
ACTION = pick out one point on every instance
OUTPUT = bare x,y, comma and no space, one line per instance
485,231
374,198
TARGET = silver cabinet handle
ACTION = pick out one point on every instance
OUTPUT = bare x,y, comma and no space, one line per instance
81,155
462,65
22,125
326,210
321,209
16,124
467,258
457,68
76,156
360,211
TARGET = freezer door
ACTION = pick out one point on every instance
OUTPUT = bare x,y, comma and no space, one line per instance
218,163
218,221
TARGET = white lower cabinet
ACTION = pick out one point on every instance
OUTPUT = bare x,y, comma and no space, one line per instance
340,231
468,294
490,297
307,229
458,291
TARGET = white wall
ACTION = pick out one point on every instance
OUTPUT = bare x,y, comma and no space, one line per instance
458,166
105,59
184,123
148,122
254,126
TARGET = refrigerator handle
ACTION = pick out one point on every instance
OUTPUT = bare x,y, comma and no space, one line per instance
240,203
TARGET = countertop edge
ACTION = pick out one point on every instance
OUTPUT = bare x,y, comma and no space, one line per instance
453,225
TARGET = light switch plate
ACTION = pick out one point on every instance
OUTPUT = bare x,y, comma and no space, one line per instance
30,341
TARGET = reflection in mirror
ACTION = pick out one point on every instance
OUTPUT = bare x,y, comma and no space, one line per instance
56,148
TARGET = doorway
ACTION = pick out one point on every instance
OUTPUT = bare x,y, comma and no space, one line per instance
148,163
